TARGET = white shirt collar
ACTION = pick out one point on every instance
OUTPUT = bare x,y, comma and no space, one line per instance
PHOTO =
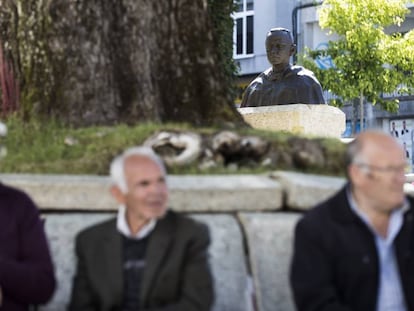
396,219
123,228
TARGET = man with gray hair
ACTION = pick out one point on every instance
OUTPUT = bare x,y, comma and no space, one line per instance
147,258
355,251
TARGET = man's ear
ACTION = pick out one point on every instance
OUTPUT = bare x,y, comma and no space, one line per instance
117,194
356,174
292,49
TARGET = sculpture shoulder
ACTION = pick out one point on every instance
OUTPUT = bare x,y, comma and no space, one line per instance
260,79
302,71
304,74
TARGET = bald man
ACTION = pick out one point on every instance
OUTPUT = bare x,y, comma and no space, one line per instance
282,83
355,251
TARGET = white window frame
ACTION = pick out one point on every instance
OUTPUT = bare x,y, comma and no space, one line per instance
243,15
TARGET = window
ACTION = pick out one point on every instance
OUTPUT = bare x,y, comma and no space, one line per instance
243,28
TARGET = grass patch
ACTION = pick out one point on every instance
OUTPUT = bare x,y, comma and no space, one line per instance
48,147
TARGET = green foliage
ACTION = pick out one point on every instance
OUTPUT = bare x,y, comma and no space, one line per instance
368,61
46,146
220,13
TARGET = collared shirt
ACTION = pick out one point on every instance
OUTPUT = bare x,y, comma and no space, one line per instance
277,76
123,228
390,293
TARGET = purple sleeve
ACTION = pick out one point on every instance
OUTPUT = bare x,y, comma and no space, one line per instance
29,278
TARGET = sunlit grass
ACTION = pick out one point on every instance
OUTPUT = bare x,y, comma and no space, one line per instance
48,147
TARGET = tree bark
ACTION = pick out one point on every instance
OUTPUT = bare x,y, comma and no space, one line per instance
112,61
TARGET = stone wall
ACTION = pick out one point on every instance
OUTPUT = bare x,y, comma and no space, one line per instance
251,219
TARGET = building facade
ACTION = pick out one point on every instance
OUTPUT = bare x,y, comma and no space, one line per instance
254,18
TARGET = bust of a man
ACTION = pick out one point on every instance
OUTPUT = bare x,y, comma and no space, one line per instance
282,83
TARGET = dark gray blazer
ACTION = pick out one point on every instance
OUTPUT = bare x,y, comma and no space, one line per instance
177,275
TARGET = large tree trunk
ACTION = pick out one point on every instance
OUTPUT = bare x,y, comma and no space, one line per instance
109,61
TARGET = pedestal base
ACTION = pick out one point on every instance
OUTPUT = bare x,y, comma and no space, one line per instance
316,120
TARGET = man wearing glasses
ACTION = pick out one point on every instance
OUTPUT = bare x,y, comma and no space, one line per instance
282,83
355,251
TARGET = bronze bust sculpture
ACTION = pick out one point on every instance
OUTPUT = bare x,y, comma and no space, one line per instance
282,83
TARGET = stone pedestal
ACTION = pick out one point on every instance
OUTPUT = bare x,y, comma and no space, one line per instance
316,120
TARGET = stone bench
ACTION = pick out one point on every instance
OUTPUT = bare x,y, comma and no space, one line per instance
315,120
251,220
226,254
224,193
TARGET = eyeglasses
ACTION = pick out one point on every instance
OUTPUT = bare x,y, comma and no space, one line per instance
397,169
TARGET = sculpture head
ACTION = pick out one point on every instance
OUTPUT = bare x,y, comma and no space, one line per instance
279,47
